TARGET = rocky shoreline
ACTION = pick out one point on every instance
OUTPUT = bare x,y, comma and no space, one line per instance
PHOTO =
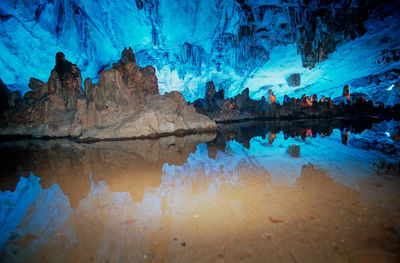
125,104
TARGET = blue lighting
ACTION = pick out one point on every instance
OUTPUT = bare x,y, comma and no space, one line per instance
189,44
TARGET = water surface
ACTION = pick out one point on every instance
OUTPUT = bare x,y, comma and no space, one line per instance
237,195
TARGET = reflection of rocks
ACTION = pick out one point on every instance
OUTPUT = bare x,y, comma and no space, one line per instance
385,167
124,104
131,166
192,208
244,132
122,164
315,184
375,145
53,161
311,176
294,150
200,175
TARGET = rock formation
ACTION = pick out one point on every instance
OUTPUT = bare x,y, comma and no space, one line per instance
4,94
271,97
242,107
124,104
346,95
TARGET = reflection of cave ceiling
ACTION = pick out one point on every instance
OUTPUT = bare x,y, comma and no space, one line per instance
236,43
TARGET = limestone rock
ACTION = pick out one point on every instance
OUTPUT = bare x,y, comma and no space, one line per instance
242,107
242,99
38,86
210,90
319,27
15,99
213,100
124,104
160,114
49,109
111,87
346,99
4,97
271,97
65,80
139,81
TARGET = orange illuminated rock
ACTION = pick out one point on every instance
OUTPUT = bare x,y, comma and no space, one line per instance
271,97
346,95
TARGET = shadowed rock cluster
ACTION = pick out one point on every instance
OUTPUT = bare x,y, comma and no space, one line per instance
124,104
242,107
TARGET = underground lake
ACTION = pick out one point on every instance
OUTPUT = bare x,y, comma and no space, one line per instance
305,191
200,131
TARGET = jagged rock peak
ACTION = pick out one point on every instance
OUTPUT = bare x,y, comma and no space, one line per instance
140,81
128,56
62,66
4,94
124,104
210,89
65,81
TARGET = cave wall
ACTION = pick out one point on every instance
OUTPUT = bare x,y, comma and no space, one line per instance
236,43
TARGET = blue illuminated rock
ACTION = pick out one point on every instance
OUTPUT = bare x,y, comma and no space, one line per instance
237,44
